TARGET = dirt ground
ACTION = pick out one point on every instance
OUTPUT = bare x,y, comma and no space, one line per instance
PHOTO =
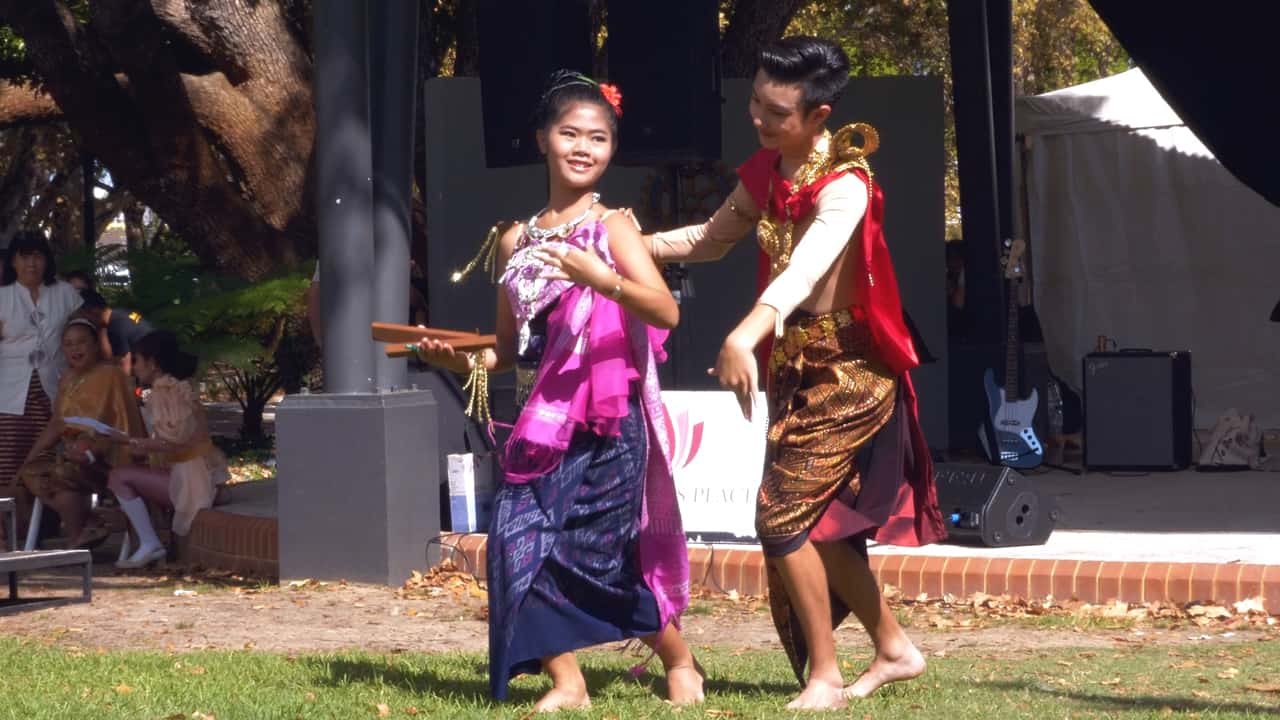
180,614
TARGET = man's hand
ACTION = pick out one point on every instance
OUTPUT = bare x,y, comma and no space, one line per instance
736,368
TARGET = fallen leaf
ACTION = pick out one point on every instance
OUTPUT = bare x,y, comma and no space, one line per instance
1112,681
1251,605
310,697
384,710
1200,694
1186,665
1264,688
1229,673
411,710
123,689
711,712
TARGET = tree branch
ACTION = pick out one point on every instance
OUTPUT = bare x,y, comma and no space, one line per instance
753,23
24,105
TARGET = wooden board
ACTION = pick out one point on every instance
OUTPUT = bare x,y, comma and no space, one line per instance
397,336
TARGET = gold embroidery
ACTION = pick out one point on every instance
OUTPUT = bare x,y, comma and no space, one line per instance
832,153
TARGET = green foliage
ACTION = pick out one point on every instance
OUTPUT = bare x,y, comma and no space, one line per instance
1056,43
13,55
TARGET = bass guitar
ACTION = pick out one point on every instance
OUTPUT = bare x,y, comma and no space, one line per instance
1007,435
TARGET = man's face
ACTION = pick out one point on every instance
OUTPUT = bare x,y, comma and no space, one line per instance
778,113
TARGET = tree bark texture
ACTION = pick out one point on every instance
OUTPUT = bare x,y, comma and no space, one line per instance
752,24
25,105
200,108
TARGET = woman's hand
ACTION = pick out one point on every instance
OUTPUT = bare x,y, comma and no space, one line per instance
80,451
441,354
583,267
736,368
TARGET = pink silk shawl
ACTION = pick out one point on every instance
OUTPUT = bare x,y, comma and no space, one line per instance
595,352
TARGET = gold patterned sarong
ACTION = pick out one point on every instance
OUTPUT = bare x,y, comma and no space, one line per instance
828,398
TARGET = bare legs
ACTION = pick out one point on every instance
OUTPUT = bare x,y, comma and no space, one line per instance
806,573
684,675
896,657
569,687
131,481
73,508
805,578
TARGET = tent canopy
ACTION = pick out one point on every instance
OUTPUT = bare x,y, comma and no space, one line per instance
1126,100
1139,234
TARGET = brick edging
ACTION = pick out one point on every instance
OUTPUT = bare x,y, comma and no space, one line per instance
1091,581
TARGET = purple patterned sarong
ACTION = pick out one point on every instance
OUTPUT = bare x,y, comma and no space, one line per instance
563,565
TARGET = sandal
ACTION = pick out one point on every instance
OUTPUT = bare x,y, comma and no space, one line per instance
93,536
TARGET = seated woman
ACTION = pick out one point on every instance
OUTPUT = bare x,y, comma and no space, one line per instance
68,463
185,466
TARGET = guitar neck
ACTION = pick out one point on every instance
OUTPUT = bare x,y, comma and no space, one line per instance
1012,342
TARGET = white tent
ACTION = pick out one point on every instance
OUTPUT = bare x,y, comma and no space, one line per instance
1139,234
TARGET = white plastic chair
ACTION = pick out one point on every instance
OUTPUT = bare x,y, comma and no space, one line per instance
37,514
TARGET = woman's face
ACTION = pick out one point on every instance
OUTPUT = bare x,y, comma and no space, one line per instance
80,347
29,268
578,145
144,368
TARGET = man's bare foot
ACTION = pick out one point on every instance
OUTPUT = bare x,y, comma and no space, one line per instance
684,684
559,698
819,695
884,670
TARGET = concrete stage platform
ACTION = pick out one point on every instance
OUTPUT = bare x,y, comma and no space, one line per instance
1182,537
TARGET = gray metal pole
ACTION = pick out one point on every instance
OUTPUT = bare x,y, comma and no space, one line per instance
344,195
393,60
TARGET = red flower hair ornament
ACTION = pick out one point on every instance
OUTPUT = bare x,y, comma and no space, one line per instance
613,96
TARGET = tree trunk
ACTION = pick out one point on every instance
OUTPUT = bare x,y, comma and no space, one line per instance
202,110
135,229
752,24
22,105
18,178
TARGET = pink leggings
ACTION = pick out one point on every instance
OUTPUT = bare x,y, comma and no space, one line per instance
131,481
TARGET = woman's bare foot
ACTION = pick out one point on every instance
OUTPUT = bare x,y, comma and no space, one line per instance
684,684
560,698
819,695
884,670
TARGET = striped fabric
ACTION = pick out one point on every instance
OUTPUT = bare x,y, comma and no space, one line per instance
18,433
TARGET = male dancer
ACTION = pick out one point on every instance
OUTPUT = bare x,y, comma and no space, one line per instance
847,460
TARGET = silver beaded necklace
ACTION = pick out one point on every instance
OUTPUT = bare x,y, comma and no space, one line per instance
562,230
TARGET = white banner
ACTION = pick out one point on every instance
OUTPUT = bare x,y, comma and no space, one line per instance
718,459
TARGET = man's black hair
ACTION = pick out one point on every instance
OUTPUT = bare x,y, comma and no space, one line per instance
819,67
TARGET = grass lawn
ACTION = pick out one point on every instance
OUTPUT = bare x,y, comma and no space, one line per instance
1206,680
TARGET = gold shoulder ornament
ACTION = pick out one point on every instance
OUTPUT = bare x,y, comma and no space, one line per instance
832,153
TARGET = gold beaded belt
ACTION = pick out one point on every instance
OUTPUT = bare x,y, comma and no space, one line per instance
805,331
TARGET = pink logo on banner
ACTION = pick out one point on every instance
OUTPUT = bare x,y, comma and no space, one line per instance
685,441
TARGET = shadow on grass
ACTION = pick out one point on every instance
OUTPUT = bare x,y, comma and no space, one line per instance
468,680
1103,701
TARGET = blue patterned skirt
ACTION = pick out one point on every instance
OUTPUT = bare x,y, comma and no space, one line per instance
563,568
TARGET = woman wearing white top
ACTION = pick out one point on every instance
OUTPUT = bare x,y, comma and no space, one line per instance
34,307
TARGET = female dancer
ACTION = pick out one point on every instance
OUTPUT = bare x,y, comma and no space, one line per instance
185,465
586,545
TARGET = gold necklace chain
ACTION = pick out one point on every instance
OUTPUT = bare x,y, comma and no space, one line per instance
830,154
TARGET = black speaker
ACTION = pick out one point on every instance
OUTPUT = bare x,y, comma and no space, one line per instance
664,56
1137,410
521,43
994,506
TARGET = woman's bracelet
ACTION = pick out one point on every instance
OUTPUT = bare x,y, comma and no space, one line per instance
616,293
